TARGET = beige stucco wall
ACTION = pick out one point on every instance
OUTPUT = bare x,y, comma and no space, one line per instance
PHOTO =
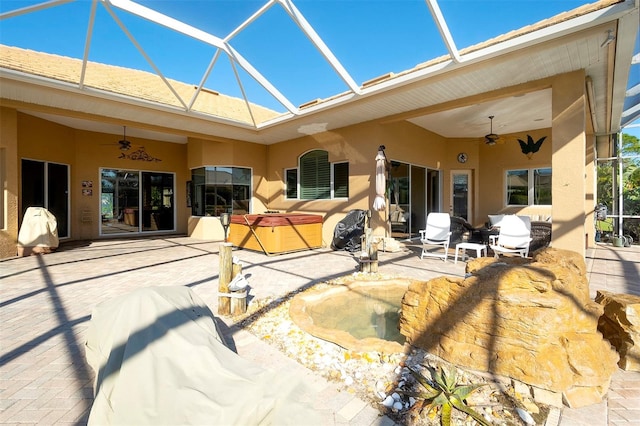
496,159
565,150
85,153
8,182
202,153
569,160
358,145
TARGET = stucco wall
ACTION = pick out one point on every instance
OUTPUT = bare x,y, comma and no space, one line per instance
201,153
358,145
496,159
8,182
85,153
25,136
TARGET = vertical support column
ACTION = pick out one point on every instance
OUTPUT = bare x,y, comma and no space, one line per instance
9,178
568,161
224,278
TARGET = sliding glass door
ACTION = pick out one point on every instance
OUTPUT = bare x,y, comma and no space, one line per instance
46,184
414,191
134,201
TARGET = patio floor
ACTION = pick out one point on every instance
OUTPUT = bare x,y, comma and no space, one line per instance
47,300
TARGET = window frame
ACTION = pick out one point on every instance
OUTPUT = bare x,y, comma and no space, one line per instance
531,186
332,179
230,186
286,183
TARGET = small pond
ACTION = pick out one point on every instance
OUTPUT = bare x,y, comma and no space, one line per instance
360,316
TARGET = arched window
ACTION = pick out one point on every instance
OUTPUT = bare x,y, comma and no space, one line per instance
317,178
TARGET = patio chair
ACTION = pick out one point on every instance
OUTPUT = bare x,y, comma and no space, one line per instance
438,233
514,236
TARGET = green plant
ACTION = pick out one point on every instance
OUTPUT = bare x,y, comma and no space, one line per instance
444,393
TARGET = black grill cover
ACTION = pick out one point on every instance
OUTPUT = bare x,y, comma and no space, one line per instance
348,232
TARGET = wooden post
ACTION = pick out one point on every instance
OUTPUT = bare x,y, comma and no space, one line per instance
238,304
224,278
363,256
373,255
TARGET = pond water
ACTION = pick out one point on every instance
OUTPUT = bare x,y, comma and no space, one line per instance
360,316
370,312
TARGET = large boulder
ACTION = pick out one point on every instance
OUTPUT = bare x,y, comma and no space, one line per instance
620,325
528,319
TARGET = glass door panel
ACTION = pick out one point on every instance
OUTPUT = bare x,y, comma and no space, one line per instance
46,185
157,196
32,184
120,201
418,216
460,187
399,207
58,196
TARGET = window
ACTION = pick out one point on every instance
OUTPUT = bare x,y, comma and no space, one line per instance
317,178
218,190
341,180
291,179
529,187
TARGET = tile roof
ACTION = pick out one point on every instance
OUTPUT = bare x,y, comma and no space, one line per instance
129,82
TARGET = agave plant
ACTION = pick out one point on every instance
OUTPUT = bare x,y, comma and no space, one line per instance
443,392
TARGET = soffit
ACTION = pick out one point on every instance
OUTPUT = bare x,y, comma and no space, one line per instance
527,59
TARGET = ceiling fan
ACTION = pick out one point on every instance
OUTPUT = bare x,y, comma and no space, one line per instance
125,145
491,138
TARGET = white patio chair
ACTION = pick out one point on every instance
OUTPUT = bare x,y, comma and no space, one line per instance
438,233
514,237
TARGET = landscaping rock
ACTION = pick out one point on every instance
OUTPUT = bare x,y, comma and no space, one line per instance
528,319
620,325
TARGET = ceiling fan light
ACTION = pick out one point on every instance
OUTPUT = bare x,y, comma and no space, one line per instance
491,138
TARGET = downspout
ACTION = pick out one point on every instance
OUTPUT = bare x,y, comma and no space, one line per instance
619,183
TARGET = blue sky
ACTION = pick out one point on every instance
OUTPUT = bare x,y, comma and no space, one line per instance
369,37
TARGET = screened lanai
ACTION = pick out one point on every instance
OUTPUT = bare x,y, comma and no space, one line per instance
432,75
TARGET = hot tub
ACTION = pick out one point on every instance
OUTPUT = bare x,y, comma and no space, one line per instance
278,233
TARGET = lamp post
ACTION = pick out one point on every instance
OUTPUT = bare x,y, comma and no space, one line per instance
225,220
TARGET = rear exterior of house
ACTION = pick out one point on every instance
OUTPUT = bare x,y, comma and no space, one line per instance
172,180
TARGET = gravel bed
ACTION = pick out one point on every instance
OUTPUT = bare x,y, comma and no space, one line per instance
384,380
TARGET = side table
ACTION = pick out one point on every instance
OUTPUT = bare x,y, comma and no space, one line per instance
481,250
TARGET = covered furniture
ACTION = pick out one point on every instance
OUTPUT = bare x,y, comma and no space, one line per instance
276,233
437,234
463,232
38,233
514,236
159,359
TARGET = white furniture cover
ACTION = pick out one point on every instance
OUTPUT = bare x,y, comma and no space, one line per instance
39,229
159,359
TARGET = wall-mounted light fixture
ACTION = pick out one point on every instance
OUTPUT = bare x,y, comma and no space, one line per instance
610,38
225,220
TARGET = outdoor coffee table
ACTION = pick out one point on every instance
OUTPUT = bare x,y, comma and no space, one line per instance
479,248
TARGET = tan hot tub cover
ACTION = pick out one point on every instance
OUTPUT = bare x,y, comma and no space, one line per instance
159,359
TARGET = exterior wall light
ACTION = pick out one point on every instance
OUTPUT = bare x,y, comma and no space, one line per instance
225,220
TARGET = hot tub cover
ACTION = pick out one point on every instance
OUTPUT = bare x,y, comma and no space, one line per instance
276,219
159,359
